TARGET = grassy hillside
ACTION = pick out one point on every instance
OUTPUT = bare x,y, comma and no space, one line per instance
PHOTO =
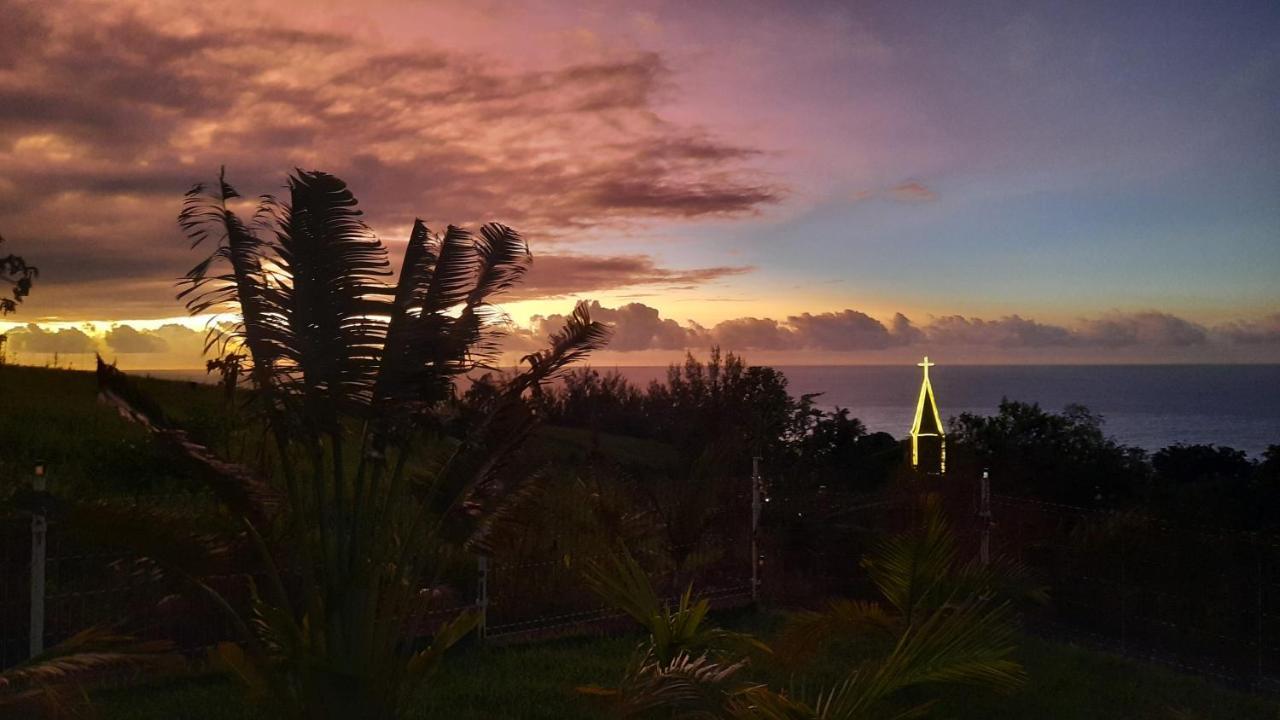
53,416
536,682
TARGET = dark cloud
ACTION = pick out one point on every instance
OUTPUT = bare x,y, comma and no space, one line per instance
108,112
847,330
1011,331
562,274
911,191
1154,329
126,340
34,339
636,326
1259,332
641,327
844,330
756,333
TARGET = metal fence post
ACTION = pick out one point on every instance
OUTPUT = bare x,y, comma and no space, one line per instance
1124,626
39,531
482,596
984,515
1261,615
755,529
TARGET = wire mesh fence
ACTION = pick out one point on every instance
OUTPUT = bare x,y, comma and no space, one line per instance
85,585
529,584
535,584
15,588
1200,598
1197,598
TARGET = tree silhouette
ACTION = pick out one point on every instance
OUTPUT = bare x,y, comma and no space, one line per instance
19,275
375,496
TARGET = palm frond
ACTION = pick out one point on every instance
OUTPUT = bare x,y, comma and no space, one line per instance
623,584
971,644
687,686
244,288
620,581
502,260
807,632
90,654
967,645
910,568
1000,577
427,661
335,298
579,337
236,486
401,358
455,271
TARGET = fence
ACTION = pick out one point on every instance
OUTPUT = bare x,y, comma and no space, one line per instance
1203,599
52,586
530,586
1200,598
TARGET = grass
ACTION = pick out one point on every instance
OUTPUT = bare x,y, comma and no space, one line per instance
52,416
537,681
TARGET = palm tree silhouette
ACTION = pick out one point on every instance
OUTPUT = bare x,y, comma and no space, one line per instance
376,496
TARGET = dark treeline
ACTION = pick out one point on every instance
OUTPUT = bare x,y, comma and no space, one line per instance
742,411
1064,457
1068,458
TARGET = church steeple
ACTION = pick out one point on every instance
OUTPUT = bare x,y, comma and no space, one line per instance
928,440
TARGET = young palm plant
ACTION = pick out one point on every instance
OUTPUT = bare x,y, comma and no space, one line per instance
944,623
684,668
919,574
943,620
372,497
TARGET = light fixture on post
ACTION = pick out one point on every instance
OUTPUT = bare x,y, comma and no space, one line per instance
39,529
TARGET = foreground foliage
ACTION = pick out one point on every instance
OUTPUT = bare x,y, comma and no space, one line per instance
19,276
944,622
52,682
536,682
353,525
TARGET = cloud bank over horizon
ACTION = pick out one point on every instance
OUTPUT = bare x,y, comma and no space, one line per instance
832,337
639,327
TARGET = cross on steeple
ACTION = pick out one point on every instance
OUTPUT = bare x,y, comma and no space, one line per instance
926,365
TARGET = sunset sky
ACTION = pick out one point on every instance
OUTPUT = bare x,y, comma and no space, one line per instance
805,182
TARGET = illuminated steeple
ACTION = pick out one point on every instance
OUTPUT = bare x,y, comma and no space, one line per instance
926,432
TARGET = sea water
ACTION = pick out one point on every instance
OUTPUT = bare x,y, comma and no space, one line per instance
1150,406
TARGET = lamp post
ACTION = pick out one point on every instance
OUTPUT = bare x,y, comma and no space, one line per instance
39,528
984,515
755,529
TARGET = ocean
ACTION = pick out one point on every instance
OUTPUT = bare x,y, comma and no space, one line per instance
1149,406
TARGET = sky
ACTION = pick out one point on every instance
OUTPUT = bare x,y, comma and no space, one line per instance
801,182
